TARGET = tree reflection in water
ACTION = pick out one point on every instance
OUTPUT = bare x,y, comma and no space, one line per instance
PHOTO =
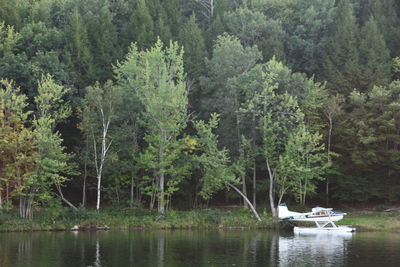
197,248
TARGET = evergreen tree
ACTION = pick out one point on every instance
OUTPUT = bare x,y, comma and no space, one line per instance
78,46
191,38
140,28
216,28
386,18
104,44
340,64
173,15
369,145
306,28
374,57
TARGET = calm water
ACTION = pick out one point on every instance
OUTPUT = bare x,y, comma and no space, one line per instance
197,248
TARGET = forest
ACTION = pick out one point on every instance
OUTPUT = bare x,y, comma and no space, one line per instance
186,104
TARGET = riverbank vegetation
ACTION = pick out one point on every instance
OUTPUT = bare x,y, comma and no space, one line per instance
168,104
89,220
238,218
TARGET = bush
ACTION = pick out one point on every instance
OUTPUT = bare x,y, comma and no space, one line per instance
380,207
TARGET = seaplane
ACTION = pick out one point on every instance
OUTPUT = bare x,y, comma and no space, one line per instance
324,219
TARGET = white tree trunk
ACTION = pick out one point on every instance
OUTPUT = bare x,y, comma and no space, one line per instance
254,185
161,198
208,6
329,155
103,153
247,200
271,190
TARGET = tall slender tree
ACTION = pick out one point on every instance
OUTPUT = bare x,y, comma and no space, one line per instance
99,118
158,79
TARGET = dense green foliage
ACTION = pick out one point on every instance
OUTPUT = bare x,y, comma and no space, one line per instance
114,98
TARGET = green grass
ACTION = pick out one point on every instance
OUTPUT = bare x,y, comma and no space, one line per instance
65,219
375,221
135,218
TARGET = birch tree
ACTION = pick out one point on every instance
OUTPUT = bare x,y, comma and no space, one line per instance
333,108
208,8
98,115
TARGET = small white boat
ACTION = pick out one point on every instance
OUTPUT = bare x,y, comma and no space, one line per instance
324,219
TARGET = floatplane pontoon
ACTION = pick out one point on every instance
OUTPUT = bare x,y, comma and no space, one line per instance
324,219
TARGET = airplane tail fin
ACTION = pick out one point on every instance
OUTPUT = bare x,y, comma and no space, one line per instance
284,213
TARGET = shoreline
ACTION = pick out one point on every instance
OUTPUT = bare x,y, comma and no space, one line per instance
218,219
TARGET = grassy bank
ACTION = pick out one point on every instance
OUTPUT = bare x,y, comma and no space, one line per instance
194,219
373,221
126,219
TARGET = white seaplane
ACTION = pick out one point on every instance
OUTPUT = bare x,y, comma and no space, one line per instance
324,219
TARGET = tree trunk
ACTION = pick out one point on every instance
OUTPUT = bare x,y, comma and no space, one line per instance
244,189
84,190
329,157
254,185
245,205
98,191
132,187
161,200
253,132
85,174
247,200
104,149
329,138
25,207
271,191
152,199
61,195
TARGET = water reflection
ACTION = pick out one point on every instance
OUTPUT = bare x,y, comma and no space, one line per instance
197,248
319,249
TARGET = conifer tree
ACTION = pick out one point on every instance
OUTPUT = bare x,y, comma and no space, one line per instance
374,56
386,18
340,65
104,44
190,37
140,28
77,44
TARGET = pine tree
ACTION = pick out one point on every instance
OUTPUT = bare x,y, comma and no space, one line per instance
77,44
103,43
386,18
173,14
374,56
216,28
340,65
191,38
140,28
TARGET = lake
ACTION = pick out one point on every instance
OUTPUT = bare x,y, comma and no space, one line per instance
197,248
